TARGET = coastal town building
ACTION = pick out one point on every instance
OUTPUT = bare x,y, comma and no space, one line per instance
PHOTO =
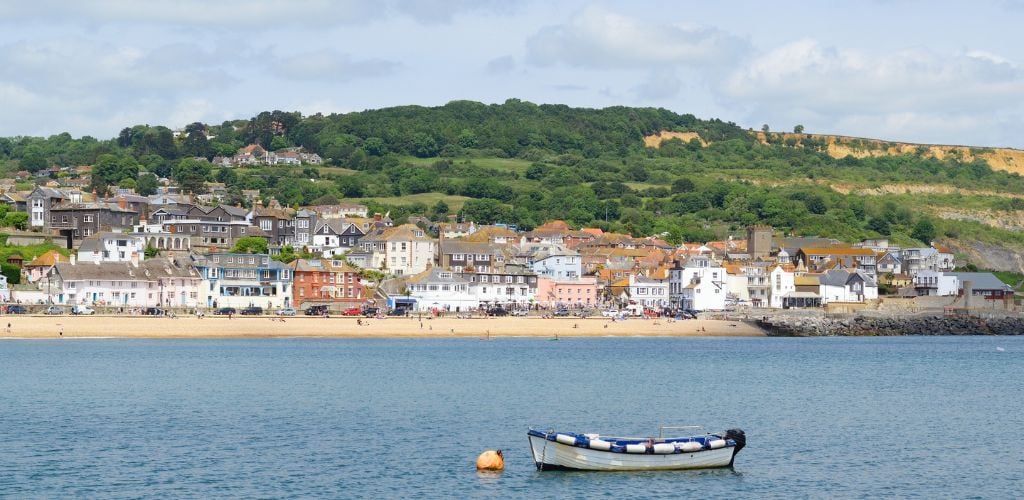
400,250
847,285
437,289
81,220
326,282
700,284
243,280
112,247
158,282
564,293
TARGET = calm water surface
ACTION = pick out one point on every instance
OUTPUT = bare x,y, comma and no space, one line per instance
825,417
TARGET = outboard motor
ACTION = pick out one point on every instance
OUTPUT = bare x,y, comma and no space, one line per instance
740,438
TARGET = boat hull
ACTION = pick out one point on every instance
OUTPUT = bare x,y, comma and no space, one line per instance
552,455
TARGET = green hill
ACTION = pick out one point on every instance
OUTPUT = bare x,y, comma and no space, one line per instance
523,163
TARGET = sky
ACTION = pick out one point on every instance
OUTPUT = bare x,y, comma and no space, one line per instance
902,70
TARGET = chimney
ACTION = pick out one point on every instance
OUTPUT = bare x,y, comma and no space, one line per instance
73,258
377,217
121,203
135,259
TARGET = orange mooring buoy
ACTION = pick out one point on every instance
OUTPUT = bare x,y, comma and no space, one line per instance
490,460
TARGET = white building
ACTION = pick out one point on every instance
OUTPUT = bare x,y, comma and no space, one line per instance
649,293
699,285
847,285
442,290
113,247
401,250
935,283
553,261
737,290
243,280
151,283
782,281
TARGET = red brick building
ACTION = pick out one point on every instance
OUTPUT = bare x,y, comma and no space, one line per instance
326,282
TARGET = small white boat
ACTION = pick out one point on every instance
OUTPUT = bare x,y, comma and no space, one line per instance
568,451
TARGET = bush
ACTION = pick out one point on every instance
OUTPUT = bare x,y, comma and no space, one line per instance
12,272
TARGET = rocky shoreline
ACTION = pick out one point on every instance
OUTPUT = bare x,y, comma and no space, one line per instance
868,326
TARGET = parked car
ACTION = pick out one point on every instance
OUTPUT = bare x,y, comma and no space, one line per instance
610,313
370,311
399,311
561,312
316,310
352,311
285,311
152,311
54,310
225,311
82,310
17,309
520,312
497,311
252,311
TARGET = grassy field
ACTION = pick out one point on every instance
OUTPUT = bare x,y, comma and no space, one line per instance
504,164
429,199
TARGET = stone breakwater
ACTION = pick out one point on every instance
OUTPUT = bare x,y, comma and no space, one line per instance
865,326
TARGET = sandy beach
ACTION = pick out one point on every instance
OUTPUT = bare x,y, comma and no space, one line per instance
265,326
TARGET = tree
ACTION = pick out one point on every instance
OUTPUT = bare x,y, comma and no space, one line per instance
17,220
799,129
146,184
440,210
196,144
250,244
682,185
191,175
536,171
151,251
109,170
924,231
765,128
375,146
423,145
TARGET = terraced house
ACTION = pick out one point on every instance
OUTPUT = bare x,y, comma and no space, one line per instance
243,280
325,282
400,250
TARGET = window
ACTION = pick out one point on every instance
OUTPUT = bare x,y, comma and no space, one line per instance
63,219
457,256
508,279
266,224
87,218
483,279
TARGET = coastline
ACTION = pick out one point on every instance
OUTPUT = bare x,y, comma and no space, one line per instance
108,327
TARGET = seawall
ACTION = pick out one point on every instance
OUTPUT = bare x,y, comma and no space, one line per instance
867,326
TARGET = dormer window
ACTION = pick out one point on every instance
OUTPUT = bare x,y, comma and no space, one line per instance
446,275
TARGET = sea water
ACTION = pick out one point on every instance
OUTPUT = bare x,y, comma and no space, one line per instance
824,417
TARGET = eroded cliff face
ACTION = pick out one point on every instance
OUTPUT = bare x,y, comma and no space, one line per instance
838,146
984,255
987,256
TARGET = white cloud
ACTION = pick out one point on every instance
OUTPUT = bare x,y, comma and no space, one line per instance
903,95
599,38
501,65
329,65
247,14
660,84
804,73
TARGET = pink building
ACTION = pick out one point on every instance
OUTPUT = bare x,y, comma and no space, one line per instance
576,292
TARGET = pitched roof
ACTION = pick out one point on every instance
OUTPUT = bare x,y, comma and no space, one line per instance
982,281
150,269
837,251
47,259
